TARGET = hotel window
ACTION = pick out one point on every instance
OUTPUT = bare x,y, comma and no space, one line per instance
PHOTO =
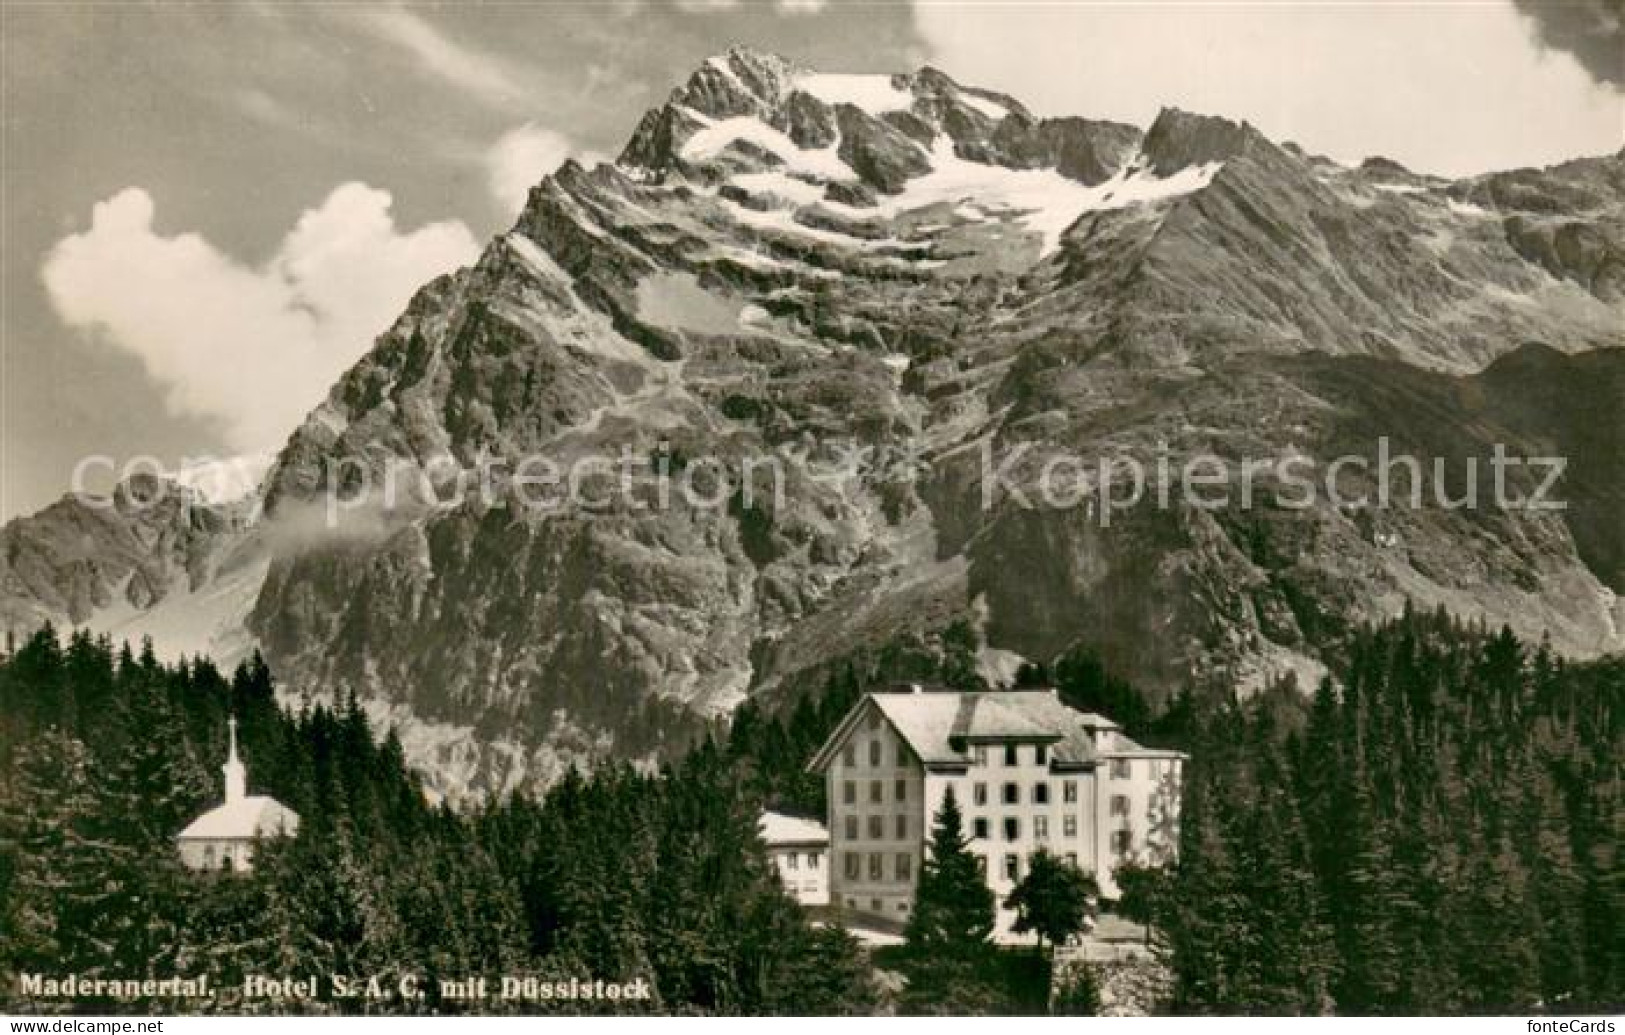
902,828
1069,792
1012,755
792,861
1069,826
850,863
980,754
851,828
979,793
849,755
981,866
1041,754
814,860
901,790
877,792
1041,827
1040,794
979,827
877,828
902,755
905,865
874,720
1012,829
1120,769
874,754
1072,859
1121,840
1012,794
876,866
1012,867
1119,804
849,792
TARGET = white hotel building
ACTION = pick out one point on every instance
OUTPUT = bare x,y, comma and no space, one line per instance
1028,772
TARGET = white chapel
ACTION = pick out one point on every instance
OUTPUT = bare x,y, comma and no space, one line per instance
223,838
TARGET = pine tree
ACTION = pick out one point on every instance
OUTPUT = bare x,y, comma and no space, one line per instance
57,913
947,937
953,906
1205,911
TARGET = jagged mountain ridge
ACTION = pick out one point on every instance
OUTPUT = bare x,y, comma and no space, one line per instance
153,557
781,260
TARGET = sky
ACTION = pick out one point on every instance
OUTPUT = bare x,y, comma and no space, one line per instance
209,212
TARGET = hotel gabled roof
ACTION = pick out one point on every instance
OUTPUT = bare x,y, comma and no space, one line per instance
941,725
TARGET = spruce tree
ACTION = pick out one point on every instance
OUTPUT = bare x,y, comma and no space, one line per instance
953,907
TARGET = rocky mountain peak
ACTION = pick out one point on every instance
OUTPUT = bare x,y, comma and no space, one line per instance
1180,139
740,81
746,111
784,258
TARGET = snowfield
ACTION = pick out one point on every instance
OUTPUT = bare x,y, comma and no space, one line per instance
1042,200
875,94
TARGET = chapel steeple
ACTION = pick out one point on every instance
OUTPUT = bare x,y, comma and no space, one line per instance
236,772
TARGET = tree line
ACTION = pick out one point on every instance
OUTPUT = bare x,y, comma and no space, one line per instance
1435,829
106,754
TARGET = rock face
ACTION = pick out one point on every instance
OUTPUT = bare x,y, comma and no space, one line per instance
153,558
877,281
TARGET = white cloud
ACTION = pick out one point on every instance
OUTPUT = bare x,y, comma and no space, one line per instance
480,74
256,348
522,157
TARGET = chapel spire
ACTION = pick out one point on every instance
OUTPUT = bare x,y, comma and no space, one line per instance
236,772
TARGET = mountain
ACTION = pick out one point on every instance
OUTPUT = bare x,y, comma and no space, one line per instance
155,557
879,281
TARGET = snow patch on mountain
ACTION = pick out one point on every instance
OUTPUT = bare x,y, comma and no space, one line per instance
1042,200
678,301
711,140
874,94
539,261
991,109
1045,201
784,221
778,185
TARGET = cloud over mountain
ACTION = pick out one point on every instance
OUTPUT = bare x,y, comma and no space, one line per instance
519,160
254,347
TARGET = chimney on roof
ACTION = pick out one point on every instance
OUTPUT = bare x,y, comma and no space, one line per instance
916,688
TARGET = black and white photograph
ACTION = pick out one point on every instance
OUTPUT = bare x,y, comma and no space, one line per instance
800,508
